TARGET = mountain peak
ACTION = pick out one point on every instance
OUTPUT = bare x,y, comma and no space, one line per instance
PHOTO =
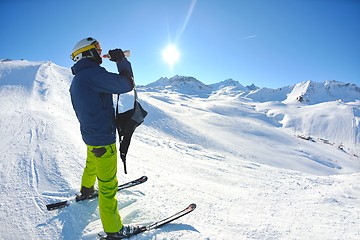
312,92
177,79
192,86
226,83
181,84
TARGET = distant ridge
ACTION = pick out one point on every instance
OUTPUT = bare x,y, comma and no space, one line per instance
308,92
192,86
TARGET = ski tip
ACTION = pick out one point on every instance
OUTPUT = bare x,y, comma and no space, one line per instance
144,178
192,206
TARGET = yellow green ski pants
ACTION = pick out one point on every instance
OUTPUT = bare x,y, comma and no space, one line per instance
101,162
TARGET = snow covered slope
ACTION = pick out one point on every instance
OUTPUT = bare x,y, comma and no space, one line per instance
36,127
232,150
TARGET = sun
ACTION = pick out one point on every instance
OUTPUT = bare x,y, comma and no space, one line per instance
171,55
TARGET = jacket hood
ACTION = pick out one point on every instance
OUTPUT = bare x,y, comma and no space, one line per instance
82,64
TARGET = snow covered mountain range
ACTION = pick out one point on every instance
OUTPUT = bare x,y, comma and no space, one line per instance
260,163
308,92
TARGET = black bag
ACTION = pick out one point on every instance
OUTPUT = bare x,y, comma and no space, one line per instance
126,123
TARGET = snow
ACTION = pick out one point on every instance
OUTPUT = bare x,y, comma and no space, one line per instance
259,163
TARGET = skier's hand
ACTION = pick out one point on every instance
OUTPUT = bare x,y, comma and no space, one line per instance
116,55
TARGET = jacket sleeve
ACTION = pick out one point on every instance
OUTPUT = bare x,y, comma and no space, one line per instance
114,83
124,65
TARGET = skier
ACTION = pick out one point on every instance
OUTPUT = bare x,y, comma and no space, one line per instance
91,95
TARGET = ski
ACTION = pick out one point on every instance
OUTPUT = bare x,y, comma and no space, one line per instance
74,199
160,223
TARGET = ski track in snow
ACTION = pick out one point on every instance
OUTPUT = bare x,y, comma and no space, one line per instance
240,161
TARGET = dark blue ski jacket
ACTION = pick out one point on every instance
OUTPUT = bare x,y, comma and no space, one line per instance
91,96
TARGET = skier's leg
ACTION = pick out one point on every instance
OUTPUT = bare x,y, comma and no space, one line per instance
89,174
107,180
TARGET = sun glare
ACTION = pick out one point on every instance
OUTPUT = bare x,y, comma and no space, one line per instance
171,55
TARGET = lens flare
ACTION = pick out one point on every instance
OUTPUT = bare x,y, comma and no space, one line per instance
171,55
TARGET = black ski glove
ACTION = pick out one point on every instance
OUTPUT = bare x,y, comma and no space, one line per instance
116,55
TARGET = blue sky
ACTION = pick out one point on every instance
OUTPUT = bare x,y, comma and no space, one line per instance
271,43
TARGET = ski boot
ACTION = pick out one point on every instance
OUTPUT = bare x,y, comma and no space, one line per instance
125,232
86,193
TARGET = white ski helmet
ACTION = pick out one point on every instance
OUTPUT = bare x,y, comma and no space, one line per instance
86,48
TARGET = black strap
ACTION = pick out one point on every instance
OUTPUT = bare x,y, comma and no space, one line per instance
117,104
